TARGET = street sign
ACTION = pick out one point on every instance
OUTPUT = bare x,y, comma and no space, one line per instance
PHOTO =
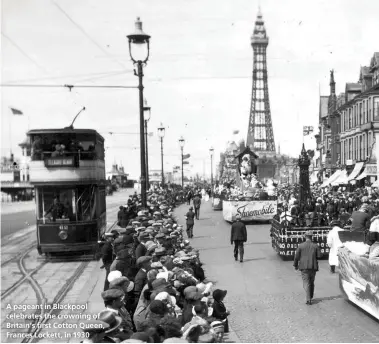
185,162
186,156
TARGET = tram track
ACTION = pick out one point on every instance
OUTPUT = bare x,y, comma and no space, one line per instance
50,311
27,276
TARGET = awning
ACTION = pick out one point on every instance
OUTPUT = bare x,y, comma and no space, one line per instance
341,179
357,168
332,178
362,175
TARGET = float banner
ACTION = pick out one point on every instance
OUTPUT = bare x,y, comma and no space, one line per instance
249,210
359,280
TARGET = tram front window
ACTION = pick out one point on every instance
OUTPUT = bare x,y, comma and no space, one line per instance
67,205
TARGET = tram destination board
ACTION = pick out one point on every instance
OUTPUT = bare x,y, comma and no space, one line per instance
60,162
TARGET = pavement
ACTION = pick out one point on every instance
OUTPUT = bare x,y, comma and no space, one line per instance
265,294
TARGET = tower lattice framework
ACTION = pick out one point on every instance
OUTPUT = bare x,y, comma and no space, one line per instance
260,135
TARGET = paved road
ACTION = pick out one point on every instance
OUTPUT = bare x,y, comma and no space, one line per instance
27,280
265,294
11,223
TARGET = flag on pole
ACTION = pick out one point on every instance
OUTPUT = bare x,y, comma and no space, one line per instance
307,130
16,112
235,132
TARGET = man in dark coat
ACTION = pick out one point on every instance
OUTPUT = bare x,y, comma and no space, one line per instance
238,236
122,263
140,280
197,204
141,248
190,216
305,260
119,215
107,256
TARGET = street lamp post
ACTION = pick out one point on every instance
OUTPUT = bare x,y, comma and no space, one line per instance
211,150
181,143
139,42
161,133
147,115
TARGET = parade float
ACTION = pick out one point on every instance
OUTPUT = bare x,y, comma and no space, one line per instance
358,275
248,197
286,237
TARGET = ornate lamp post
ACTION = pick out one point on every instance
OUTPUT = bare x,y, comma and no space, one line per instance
161,133
181,143
211,151
146,115
139,49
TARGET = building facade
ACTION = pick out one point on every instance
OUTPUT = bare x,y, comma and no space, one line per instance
349,132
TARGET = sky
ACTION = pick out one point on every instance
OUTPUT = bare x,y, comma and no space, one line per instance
198,78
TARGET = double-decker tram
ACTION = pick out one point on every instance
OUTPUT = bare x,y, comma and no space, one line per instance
67,170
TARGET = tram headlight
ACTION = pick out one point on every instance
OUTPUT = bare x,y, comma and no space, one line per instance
63,235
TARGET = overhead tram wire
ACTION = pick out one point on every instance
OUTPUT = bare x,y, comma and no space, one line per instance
87,35
67,86
24,53
93,75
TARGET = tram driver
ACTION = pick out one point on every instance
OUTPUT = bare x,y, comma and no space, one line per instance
57,209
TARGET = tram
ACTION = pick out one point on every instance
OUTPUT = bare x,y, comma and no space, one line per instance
67,170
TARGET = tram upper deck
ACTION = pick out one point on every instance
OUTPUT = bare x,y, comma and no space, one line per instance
60,156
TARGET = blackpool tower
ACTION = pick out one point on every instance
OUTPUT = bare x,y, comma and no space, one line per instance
260,136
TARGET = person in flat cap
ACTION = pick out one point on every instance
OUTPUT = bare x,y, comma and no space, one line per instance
114,302
122,262
141,247
306,260
140,280
106,253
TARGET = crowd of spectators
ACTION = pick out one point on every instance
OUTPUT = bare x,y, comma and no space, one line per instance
155,288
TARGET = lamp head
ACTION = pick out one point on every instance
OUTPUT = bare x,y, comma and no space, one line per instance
138,39
161,131
211,150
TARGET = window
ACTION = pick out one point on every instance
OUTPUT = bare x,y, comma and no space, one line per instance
360,114
350,118
376,108
67,204
361,147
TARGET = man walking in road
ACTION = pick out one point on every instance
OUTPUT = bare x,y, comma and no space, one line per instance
238,236
197,204
306,257
190,216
